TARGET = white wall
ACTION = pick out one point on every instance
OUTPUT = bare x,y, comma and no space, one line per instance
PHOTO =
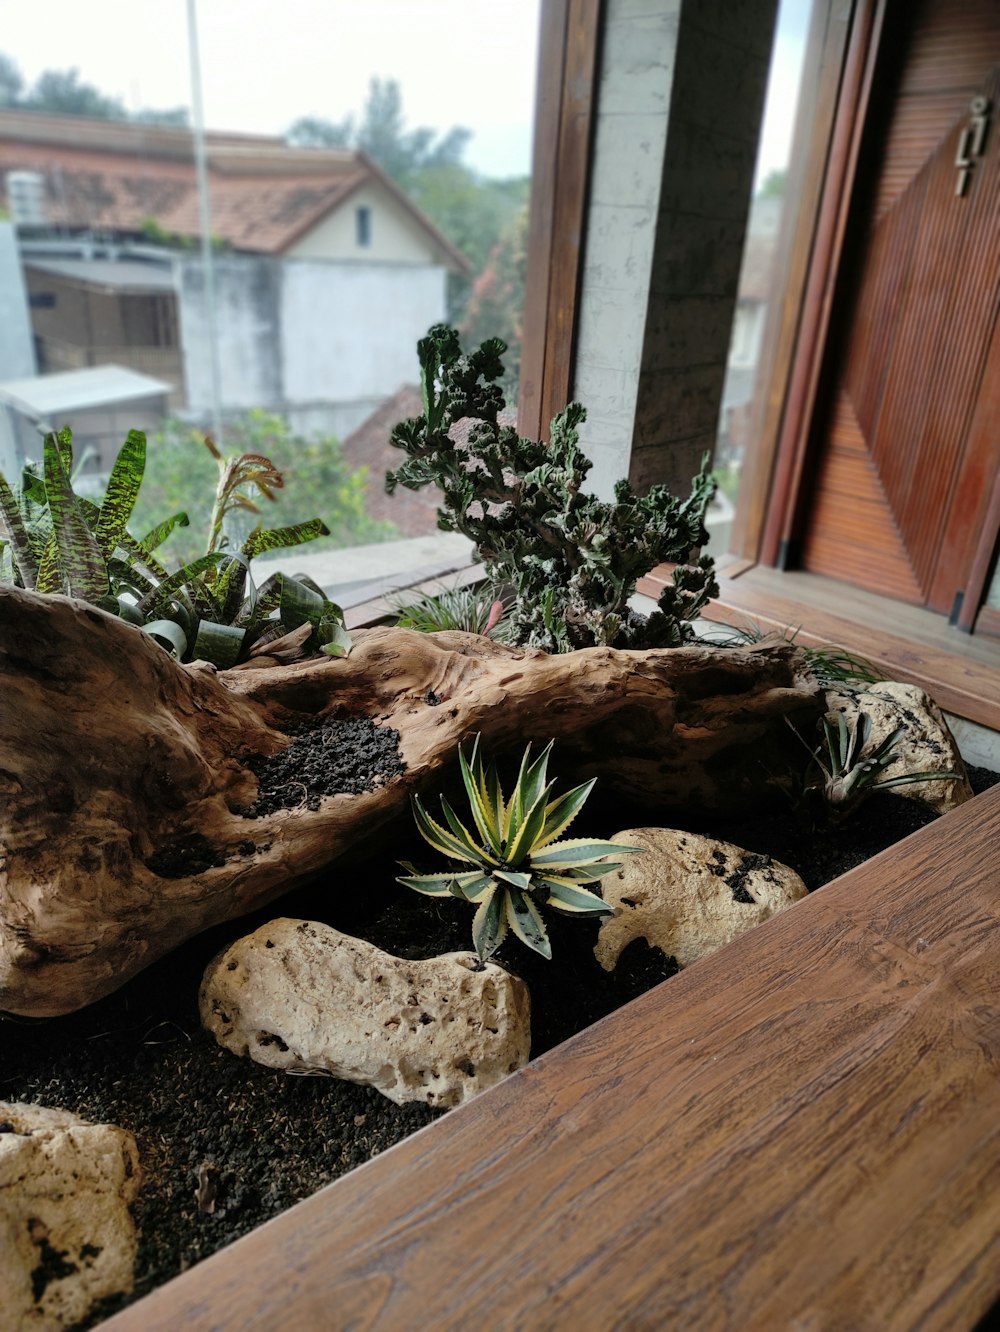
351,331
17,348
395,237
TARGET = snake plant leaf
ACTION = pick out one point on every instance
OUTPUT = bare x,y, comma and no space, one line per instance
489,924
156,536
120,496
12,522
573,900
280,538
218,643
525,921
561,813
169,635
578,852
81,568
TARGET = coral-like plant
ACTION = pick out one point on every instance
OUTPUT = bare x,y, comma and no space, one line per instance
572,560
515,864
56,541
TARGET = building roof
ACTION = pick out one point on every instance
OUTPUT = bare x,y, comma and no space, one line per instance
76,390
118,275
117,175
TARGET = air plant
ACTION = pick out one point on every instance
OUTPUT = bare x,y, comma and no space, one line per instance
847,775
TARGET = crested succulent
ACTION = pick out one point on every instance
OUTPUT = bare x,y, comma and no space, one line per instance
514,862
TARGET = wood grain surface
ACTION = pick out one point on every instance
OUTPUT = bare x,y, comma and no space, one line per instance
801,1131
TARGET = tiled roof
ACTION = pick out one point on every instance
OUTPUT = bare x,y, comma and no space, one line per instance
413,511
115,176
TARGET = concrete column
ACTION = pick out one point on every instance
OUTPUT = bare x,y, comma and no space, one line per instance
680,100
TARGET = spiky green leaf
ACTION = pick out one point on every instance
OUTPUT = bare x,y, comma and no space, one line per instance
156,536
561,812
13,524
473,851
280,538
440,838
489,924
571,899
525,921
579,851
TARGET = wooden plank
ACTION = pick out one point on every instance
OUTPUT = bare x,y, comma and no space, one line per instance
956,680
801,1130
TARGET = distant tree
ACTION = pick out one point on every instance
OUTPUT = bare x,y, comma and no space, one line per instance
773,185
11,81
380,134
495,307
62,91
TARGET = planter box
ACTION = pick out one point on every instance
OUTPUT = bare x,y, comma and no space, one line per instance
802,1129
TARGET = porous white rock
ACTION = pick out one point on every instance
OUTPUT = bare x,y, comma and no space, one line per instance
300,996
67,1238
689,895
926,744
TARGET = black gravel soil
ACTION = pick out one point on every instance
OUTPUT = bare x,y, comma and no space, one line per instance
226,1144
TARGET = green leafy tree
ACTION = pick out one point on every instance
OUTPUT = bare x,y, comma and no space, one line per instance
11,81
495,307
62,91
181,474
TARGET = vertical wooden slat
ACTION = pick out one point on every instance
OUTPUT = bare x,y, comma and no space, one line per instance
567,73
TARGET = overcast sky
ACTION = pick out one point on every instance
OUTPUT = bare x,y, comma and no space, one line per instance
264,64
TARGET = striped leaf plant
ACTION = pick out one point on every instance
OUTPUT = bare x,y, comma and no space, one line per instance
53,540
514,863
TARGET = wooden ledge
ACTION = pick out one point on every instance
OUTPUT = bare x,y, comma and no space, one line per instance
801,1130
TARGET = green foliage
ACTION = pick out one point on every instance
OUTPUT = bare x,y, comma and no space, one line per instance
831,665
55,541
61,91
181,475
514,862
495,305
473,610
572,560
847,774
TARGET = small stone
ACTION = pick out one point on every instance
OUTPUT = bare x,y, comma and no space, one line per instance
926,745
305,998
689,895
67,1238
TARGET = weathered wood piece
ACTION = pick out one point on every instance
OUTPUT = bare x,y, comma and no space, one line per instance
800,1131
113,756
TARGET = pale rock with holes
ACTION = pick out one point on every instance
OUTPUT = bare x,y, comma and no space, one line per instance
689,895
67,1238
926,745
299,995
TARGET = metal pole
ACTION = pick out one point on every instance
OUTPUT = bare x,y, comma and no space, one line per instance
205,219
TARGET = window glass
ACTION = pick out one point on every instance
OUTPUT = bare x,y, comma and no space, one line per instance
366,175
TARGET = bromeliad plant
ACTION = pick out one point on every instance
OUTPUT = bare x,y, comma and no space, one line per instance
514,863
847,775
53,540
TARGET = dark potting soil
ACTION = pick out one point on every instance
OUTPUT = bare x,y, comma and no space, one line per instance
225,1144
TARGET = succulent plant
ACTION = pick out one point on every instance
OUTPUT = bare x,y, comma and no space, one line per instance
848,774
514,862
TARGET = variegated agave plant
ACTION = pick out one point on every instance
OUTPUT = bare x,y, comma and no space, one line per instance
515,864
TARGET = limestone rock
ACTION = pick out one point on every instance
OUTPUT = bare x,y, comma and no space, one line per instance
67,1238
689,895
926,746
301,996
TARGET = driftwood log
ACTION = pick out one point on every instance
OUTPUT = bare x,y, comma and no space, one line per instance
111,754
